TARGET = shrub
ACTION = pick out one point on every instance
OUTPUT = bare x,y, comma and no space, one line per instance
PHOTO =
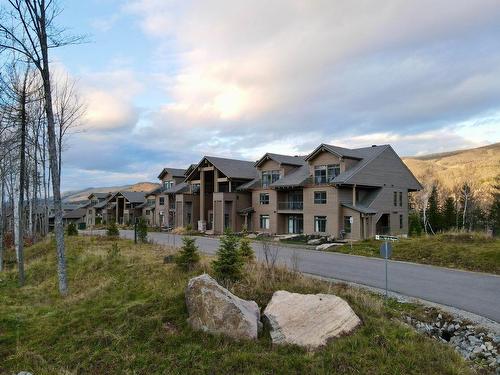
142,230
71,230
113,230
114,252
189,228
188,256
246,250
228,265
414,225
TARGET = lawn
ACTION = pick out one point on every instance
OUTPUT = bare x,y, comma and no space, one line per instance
471,252
126,315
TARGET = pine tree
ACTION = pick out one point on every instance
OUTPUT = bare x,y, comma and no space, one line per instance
494,212
112,230
449,214
246,250
415,224
188,256
433,214
71,230
228,266
142,230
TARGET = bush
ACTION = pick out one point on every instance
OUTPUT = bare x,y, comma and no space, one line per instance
414,225
112,230
188,256
228,265
71,230
142,230
246,251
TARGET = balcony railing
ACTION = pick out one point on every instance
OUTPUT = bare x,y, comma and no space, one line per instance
291,206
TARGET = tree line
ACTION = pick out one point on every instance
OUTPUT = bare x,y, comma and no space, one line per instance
465,208
37,110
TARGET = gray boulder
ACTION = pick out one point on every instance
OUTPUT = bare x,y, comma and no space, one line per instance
212,308
316,241
308,320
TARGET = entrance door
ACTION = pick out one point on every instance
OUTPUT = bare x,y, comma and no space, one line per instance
295,224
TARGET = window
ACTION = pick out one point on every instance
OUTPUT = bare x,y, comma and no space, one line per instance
320,197
400,221
395,198
264,221
168,184
151,201
320,224
264,198
400,199
347,224
268,177
147,212
162,201
326,173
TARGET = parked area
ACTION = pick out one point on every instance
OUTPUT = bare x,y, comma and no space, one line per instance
126,313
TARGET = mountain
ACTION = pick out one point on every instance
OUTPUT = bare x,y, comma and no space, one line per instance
478,166
74,196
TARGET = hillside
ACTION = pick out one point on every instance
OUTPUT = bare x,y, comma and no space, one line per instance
73,196
478,166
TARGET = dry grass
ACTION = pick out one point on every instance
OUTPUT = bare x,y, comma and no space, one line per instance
126,315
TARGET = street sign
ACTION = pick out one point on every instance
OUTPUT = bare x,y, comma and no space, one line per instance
386,250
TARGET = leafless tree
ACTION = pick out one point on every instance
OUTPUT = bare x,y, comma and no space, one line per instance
28,29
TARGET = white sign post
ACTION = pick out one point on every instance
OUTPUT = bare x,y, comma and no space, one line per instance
386,252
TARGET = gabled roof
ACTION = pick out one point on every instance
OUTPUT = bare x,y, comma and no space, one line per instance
190,169
298,177
360,208
132,196
75,214
177,188
282,159
336,150
366,155
175,172
231,168
99,195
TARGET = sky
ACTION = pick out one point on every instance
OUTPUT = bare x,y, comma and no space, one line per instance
166,82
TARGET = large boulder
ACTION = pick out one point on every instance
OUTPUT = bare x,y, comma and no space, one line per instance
308,320
215,309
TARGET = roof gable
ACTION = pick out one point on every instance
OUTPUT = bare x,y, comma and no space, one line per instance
231,168
175,172
281,159
335,150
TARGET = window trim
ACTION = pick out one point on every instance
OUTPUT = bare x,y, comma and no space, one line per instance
264,201
347,228
395,199
400,199
267,219
320,200
330,172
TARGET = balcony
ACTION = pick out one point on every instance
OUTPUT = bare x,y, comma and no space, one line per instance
290,206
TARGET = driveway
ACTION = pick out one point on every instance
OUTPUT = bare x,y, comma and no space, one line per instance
478,293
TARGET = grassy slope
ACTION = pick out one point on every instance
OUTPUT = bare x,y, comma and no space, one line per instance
468,252
126,314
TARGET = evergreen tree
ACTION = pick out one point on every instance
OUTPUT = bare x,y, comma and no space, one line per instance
112,230
415,224
142,230
188,256
246,250
449,214
228,266
494,214
71,230
433,214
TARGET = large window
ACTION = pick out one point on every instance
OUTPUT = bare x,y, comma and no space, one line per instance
326,173
268,177
264,221
151,201
347,224
168,184
320,197
264,198
162,201
400,199
320,224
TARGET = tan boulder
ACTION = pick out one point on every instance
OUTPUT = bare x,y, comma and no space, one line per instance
212,308
308,320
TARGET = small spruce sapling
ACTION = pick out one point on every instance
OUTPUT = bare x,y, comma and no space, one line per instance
228,265
71,230
142,230
246,250
188,256
112,230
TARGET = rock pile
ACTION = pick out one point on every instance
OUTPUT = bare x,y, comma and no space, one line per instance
471,343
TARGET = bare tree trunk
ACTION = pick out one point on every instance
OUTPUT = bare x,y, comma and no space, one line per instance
2,216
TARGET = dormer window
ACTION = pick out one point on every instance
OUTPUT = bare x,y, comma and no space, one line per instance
326,173
168,184
268,177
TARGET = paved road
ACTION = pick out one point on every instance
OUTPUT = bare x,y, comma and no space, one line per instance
470,291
